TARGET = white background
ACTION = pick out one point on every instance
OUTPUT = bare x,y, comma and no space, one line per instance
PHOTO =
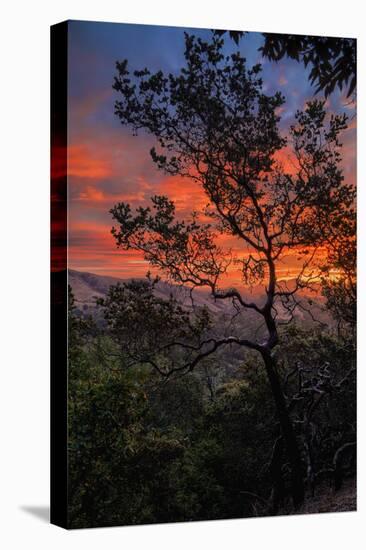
24,289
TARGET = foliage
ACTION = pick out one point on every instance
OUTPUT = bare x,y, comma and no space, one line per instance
321,392
332,60
341,291
145,450
214,125
150,329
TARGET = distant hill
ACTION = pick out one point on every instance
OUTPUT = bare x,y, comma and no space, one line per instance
87,287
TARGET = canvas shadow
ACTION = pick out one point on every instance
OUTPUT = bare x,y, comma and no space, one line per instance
40,512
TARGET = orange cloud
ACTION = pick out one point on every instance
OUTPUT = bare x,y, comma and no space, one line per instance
92,248
83,163
107,167
187,194
286,158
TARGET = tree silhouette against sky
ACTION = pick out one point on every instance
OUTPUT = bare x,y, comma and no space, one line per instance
332,60
214,124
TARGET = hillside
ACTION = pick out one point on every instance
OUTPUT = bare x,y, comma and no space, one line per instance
87,287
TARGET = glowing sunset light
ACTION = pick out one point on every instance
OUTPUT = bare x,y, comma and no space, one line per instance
107,165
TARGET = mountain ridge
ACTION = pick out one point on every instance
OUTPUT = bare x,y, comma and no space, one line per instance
87,287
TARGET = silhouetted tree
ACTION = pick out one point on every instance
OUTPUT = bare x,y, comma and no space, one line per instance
214,125
332,60
149,328
234,35
339,284
320,384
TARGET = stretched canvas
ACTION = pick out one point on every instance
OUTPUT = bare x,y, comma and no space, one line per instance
203,274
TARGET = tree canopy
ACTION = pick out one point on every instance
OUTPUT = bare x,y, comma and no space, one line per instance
214,124
332,60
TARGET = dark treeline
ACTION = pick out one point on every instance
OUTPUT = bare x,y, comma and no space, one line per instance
206,444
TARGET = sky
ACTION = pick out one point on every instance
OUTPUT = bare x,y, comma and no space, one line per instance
107,165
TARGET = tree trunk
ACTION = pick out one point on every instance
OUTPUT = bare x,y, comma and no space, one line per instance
293,453
275,468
